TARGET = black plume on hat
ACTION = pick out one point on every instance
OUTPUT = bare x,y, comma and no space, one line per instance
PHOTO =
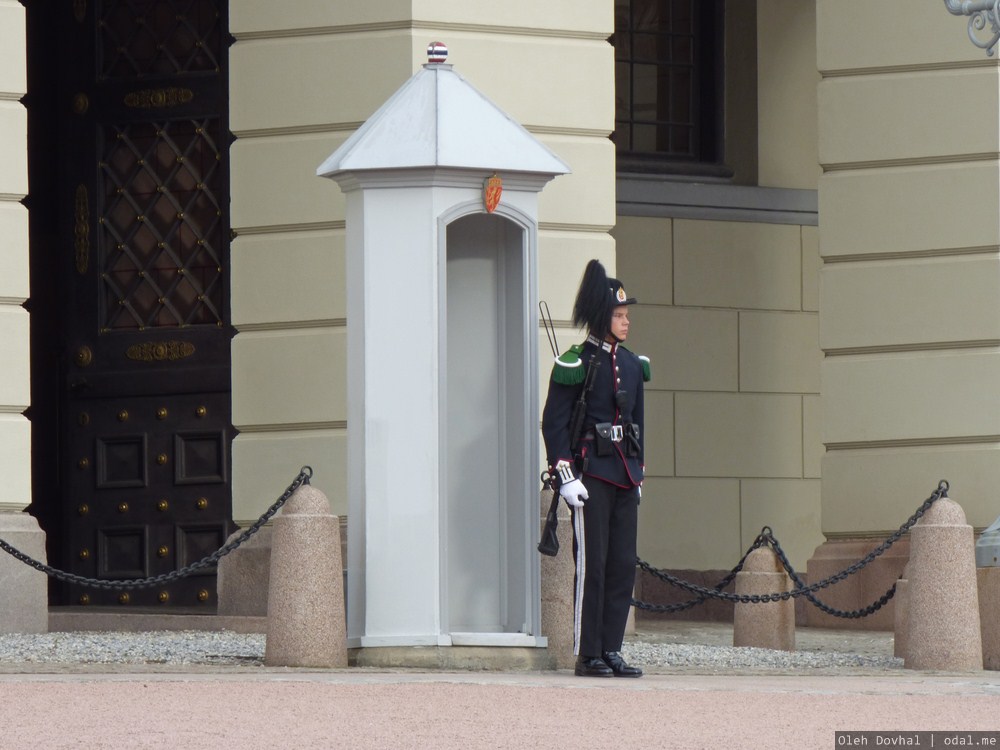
597,297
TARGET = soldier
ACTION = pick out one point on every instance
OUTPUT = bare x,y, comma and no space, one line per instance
600,469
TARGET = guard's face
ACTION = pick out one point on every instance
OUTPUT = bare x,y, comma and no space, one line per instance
619,322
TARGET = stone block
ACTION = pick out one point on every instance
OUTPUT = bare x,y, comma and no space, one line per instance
779,352
714,261
988,587
746,435
860,589
901,616
23,590
558,575
244,576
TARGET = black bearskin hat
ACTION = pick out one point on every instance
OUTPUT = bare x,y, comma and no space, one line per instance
597,298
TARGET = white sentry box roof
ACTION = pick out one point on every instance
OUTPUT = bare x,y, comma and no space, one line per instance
438,119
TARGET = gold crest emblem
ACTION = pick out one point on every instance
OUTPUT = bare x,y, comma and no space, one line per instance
492,188
620,294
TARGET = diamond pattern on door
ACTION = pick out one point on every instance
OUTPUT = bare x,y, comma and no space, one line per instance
155,37
129,165
161,225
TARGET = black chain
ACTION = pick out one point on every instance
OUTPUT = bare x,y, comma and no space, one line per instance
766,537
681,606
305,474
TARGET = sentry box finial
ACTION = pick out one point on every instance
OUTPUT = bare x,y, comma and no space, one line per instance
437,52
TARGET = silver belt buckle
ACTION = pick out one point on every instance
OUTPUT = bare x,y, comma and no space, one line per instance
617,433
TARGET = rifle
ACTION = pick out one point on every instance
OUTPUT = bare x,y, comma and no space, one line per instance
549,543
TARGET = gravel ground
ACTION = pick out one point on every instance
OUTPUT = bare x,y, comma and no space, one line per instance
675,655
655,651
158,647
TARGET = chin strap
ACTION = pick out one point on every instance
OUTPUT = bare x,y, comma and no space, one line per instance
602,343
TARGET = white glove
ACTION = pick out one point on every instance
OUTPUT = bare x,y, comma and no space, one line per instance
574,493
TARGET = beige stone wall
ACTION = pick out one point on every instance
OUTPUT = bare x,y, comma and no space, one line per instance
786,86
909,135
15,433
728,317
305,75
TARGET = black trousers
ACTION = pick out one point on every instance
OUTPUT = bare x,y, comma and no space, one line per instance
604,547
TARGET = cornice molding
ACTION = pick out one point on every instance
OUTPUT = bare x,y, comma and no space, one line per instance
418,25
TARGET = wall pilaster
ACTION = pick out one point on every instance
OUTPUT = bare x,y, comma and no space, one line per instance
22,589
909,139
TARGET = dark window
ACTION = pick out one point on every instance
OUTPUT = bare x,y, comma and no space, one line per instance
668,94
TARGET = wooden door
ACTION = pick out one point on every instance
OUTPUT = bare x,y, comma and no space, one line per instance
139,199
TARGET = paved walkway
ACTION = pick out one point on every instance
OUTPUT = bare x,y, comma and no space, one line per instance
158,706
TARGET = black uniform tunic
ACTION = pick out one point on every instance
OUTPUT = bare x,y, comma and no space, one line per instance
612,469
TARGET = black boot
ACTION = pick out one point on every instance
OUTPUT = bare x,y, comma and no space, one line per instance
618,666
591,666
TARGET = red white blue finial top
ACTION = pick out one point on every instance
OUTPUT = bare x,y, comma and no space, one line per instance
436,52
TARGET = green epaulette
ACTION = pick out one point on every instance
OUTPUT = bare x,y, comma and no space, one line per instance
568,368
644,361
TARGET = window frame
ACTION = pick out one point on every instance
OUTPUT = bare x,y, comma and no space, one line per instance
708,96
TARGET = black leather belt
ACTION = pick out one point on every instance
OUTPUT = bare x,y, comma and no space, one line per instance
613,432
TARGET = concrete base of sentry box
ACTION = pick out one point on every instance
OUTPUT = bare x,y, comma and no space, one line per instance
471,658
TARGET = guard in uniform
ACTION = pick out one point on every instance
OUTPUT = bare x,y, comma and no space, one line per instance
600,470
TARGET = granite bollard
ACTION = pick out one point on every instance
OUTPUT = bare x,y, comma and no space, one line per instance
305,604
557,592
944,631
764,624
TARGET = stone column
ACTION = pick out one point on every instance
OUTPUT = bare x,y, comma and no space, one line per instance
23,591
901,625
557,592
244,576
988,580
910,282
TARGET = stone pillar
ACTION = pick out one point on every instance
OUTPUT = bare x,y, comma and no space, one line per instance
305,605
23,590
766,624
944,604
557,591
910,280
988,580
244,576
901,621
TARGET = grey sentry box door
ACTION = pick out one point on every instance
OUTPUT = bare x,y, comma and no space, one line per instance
487,427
